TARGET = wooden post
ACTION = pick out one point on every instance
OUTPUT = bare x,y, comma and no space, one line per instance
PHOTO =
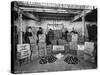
83,22
20,27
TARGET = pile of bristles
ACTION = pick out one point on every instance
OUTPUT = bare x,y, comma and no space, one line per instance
71,60
47,59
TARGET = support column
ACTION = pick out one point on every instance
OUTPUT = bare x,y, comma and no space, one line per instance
20,27
85,32
83,22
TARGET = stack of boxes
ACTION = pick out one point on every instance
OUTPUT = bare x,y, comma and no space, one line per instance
66,47
88,52
73,48
33,47
73,44
42,45
42,49
34,51
81,39
80,52
49,49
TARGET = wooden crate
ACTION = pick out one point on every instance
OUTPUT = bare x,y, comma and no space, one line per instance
49,49
66,47
89,47
80,54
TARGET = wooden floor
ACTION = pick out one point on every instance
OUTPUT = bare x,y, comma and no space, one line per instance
59,65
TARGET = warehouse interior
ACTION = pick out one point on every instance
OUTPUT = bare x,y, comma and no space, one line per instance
68,40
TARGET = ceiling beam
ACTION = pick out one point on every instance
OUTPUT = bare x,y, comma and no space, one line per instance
31,16
54,5
84,13
50,10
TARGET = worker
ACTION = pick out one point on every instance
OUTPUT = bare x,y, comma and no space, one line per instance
39,32
50,36
28,34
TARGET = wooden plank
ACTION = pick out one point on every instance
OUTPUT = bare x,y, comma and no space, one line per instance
84,13
54,5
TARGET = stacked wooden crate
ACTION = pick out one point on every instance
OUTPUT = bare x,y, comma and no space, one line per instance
34,51
73,48
88,52
42,49
81,39
66,48
80,52
49,49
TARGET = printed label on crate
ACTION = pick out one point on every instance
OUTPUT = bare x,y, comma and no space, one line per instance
21,47
89,47
25,54
24,50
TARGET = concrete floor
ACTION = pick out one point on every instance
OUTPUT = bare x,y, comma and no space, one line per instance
59,65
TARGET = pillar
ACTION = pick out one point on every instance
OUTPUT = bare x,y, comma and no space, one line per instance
20,26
